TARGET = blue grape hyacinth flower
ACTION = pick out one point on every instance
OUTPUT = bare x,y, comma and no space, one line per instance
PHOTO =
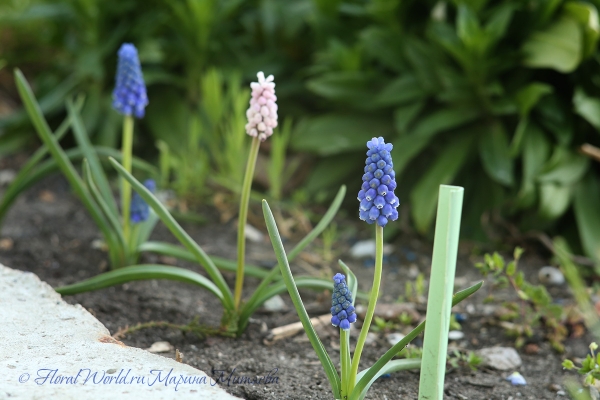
140,210
129,96
378,202
342,310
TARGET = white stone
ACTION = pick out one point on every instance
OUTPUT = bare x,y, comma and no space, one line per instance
455,335
366,248
274,304
551,276
7,176
253,234
160,347
371,338
500,358
394,337
41,333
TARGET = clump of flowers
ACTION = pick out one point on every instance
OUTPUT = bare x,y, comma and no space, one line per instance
129,95
342,310
262,113
140,211
378,202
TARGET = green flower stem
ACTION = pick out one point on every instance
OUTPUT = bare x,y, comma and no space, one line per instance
345,361
370,308
243,216
126,151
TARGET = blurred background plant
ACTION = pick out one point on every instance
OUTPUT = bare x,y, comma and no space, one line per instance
492,95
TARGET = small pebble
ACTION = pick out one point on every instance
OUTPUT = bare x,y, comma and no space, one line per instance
274,304
7,176
394,337
500,358
371,338
551,276
366,248
160,347
460,318
554,387
253,234
455,335
516,379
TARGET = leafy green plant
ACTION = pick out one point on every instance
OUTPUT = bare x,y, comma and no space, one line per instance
535,307
469,359
590,366
480,94
378,205
125,245
354,388
92,189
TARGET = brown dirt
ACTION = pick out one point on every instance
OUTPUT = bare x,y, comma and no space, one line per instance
52,237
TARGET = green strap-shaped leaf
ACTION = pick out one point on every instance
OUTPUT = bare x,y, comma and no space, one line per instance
179,233
140,273
25,180
14,189
586,205
183,254
327,217
43,130
370,373
424,196
288,279
83,142
112,218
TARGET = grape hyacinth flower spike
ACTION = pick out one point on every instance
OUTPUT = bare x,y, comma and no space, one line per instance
262,113
129,95
140,211
342,310
129,99
378,202
262,119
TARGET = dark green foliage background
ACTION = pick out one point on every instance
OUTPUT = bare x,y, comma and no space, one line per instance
496,96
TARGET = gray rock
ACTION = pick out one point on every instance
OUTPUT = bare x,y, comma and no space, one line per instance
275,304
50,348
551,276
366,248
500,358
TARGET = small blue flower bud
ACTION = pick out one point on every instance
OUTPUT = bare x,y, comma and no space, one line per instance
366,205
371,194
379,202
342,314
382,221
129,95
382,190
373,213
363,215
378,174
365,186
361,195
387,210
139,210
374,183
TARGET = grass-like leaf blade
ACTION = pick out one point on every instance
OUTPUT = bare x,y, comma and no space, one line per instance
179,233
138,273
288,279
391,353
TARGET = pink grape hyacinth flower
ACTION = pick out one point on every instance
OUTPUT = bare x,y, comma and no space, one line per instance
262,113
